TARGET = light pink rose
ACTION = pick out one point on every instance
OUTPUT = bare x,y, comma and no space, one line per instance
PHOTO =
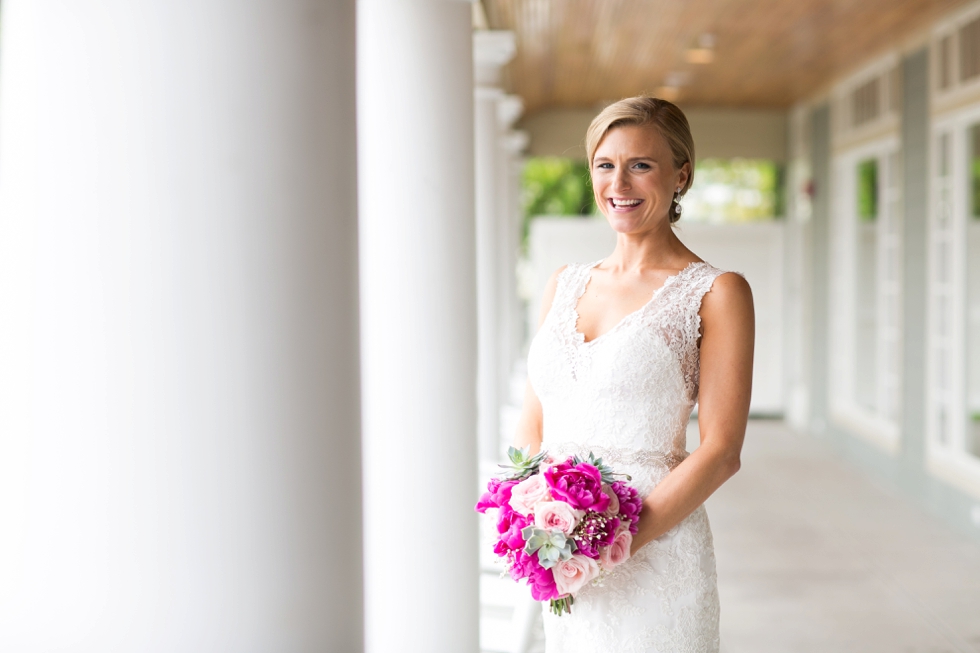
528,493
613,508
617,552
572,574
557,515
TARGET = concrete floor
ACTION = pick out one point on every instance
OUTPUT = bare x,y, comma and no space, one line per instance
816,556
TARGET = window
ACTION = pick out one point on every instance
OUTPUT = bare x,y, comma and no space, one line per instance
866,293
865,104
866,282
867,190
953,322
970,50
972,313
868,102
941,293
945,62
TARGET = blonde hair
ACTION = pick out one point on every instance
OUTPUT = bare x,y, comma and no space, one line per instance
643,110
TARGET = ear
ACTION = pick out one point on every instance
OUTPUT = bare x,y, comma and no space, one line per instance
683,174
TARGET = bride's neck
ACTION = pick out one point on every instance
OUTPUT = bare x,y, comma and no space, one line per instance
653,250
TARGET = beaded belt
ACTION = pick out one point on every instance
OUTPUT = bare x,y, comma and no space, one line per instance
615,456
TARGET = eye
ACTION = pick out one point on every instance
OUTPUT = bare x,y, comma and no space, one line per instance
604,166
642,166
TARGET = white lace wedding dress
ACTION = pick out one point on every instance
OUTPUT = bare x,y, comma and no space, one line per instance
627,396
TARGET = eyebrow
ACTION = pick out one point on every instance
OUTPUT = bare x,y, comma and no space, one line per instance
635,158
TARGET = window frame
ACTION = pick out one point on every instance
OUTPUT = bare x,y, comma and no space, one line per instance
875,425
950,211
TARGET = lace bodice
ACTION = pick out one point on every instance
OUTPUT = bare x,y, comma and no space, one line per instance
631,390
627,396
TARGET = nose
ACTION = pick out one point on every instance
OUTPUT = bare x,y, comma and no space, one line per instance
621,179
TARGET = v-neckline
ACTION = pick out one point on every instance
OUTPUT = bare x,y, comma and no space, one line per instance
580,337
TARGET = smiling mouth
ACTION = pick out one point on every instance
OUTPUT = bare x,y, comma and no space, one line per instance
624,203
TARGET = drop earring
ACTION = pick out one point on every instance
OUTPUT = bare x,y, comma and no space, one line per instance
677,203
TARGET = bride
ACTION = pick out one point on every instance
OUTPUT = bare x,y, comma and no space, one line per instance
626,347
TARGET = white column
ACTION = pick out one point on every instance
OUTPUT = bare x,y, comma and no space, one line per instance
418,293
179,397
491,50
509,314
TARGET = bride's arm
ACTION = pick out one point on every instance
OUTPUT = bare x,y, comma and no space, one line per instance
727,341
530,424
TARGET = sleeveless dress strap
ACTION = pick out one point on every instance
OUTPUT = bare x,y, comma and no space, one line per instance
699,285
679,318
569,287
562,317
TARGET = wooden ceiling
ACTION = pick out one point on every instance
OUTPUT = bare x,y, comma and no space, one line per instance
767,54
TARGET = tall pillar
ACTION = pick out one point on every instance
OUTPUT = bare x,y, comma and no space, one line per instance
179,396
915,195
510,316
491,50
418,297
820,262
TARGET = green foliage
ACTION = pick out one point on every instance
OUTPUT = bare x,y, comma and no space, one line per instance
867,190
735,190
557,186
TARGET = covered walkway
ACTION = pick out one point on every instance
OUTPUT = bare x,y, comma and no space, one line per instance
815,555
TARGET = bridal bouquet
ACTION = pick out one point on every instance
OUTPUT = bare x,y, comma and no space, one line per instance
561,524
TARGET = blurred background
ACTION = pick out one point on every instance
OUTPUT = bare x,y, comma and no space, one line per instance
269,271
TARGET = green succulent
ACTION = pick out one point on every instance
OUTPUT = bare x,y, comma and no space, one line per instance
551,546
522,463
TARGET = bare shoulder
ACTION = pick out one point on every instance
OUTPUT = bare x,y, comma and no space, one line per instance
730,297
549,292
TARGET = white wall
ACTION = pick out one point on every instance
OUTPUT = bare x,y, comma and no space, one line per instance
756,250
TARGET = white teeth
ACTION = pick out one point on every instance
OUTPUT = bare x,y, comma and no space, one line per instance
630,202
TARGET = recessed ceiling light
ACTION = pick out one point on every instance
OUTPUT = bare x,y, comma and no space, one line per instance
700,55
704,51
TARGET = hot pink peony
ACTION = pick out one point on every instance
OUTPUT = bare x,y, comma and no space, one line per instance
542,583
497,494
557,515
617,552
572,574
580,485
528,493
630,503
509,526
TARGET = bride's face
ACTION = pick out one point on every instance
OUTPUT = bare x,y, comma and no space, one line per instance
634,178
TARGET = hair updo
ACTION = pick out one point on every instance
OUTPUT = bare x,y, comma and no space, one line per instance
643,110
